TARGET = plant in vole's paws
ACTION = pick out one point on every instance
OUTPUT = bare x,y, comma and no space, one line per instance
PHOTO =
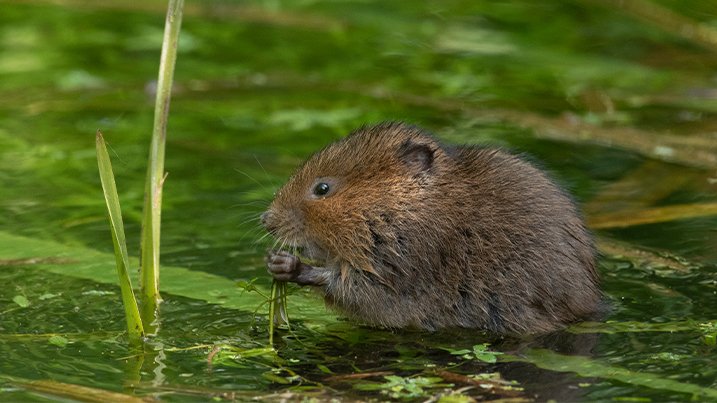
409,232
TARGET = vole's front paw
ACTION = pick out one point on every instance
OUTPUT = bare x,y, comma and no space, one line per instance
283,265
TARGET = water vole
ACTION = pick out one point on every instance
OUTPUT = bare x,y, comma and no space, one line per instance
414,233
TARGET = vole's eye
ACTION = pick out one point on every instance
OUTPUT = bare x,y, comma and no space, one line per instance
322,189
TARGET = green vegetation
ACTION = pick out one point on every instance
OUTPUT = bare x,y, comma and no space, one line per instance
405,388
152,211
479,352
134,322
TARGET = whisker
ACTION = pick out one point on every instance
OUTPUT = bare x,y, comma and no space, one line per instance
257,182
265,173
260,239
247,213
247,217
251,220
253,230
255,203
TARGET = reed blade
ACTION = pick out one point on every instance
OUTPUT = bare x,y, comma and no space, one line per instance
134,323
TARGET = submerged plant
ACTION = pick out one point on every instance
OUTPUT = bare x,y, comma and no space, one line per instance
479,352
709,330
398,387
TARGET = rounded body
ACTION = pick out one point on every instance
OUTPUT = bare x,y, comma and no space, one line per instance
413,233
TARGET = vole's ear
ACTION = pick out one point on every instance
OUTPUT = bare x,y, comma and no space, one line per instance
417,156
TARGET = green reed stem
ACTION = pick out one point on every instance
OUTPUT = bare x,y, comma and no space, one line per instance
151,220
277,308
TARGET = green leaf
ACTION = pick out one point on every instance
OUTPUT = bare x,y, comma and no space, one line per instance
47,296
248,287
22,301
479,352
399,387
456,352
275,378
59,341
480,348
324,368
487,357
482,353
134,323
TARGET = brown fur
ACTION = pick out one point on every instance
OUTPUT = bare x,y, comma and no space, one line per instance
418,234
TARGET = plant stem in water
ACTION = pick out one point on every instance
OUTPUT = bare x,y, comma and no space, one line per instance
151,220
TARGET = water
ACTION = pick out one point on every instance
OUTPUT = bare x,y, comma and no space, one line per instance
261,85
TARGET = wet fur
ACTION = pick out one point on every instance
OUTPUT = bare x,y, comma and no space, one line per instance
418,234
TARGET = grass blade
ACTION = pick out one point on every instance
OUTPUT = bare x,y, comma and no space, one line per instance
134,323
277,308
151,220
